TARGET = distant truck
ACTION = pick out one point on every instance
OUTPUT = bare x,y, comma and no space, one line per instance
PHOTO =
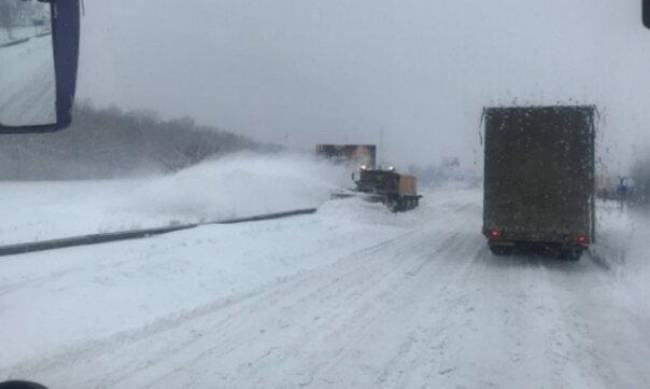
539,179
397,191
352,156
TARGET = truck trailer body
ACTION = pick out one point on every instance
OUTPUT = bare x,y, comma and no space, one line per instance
352,156
539,179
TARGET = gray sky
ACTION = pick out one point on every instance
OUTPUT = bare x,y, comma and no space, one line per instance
338,71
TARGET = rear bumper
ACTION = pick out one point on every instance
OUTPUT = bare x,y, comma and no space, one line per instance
537,245
510,237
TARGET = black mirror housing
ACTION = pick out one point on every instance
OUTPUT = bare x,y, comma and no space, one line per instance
646,13
65,45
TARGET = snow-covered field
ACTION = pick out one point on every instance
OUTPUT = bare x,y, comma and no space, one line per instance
234,186
353,296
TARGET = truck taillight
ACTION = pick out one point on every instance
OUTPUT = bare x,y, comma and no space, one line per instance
581,239
495,233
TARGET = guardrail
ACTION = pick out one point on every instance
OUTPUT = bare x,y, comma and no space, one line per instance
84,240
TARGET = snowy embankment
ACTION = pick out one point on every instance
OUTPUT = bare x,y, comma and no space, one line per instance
234,186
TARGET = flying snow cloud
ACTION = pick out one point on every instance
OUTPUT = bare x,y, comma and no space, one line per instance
239,185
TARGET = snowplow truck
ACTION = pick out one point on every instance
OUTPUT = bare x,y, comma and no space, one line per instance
397,191
539,179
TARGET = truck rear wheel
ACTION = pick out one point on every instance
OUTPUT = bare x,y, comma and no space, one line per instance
501,250
572,254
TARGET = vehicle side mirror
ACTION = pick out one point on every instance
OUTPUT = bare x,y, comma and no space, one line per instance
39,52
646,13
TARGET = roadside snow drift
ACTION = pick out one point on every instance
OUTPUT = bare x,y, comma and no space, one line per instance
239,185
234,186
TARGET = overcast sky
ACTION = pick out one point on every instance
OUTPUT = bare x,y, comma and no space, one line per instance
332,71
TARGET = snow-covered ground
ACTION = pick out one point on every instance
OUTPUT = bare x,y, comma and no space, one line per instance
238,185
353,296
21,33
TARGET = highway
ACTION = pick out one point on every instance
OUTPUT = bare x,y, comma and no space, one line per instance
352,296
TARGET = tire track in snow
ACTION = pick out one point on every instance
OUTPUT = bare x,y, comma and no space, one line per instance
72,355
360,271
312,290
361,318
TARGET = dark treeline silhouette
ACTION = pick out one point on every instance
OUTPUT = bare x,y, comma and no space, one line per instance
14,14
111,143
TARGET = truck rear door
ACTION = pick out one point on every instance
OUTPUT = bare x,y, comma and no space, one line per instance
539,165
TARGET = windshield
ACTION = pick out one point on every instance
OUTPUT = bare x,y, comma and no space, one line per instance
338,194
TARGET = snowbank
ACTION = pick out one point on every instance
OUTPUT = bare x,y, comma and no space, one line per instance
235,186
239,185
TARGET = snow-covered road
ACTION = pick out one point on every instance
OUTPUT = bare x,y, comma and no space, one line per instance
352,296
27,83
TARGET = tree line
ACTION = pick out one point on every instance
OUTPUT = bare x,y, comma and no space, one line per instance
14,14
111,143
